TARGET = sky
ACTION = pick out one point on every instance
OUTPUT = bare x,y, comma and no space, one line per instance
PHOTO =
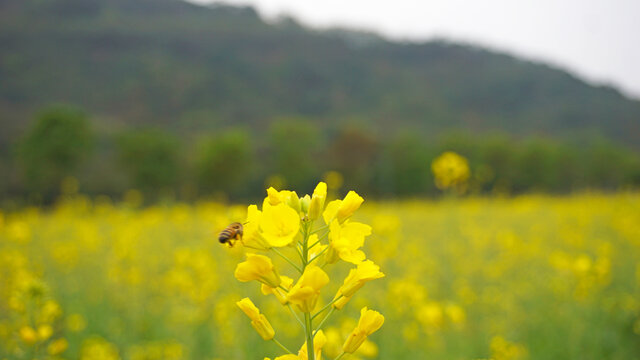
597,40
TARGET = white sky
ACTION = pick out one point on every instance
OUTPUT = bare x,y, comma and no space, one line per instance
598,40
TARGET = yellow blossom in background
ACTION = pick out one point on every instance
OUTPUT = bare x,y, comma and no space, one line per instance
455,313
279,224
501,349
258,267
258,321
28,335
333,179
96,348
306,291
58,346
45,332
451,171
370,321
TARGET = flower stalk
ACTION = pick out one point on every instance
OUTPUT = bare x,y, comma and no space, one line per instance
288,221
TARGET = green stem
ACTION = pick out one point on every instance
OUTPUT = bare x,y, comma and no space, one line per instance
318,255
310,353
296,316
282,346
340,356
286,259
323,321
321,228
327,306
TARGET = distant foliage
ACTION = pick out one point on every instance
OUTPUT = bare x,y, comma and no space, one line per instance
293,146
150,158
53,148
223,162
293,151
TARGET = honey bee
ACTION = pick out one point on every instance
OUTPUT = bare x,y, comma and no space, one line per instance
231,234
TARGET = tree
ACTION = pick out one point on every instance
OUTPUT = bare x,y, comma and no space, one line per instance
59,140
353,152
294,144
151,159
223,162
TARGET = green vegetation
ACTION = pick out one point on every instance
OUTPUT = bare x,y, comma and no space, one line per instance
53,149
233,100
229,164
193,69
151,159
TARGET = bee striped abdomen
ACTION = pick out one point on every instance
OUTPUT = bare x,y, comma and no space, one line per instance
231,232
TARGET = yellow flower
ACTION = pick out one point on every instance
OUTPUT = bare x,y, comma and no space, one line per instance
286,283
252,238
45,332
370,321
258,321
279,224
345,241
275,197
57,346
450,170
306,291
317,201
366,271
340,302
28,335
258,267
319,340
342,209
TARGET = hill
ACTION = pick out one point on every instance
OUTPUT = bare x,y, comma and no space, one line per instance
191,68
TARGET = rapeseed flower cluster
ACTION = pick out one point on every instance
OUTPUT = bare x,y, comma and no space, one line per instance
318,235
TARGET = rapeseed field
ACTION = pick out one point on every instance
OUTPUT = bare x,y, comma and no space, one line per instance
531,277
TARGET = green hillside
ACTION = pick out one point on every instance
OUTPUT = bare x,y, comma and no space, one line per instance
193,68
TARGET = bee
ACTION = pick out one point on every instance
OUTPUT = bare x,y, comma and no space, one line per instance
231,234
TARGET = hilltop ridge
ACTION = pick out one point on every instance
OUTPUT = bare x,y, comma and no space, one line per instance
190,68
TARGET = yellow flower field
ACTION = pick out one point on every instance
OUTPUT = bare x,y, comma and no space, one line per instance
532,277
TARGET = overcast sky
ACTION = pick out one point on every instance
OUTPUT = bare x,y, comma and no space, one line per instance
596,39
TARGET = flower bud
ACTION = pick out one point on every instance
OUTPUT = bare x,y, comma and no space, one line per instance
258,321
349,205
317,201
370,322
305,203
294,201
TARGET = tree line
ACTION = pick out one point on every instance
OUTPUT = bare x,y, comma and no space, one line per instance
236,163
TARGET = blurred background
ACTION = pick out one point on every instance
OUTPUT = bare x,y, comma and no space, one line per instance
188,101
496,145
